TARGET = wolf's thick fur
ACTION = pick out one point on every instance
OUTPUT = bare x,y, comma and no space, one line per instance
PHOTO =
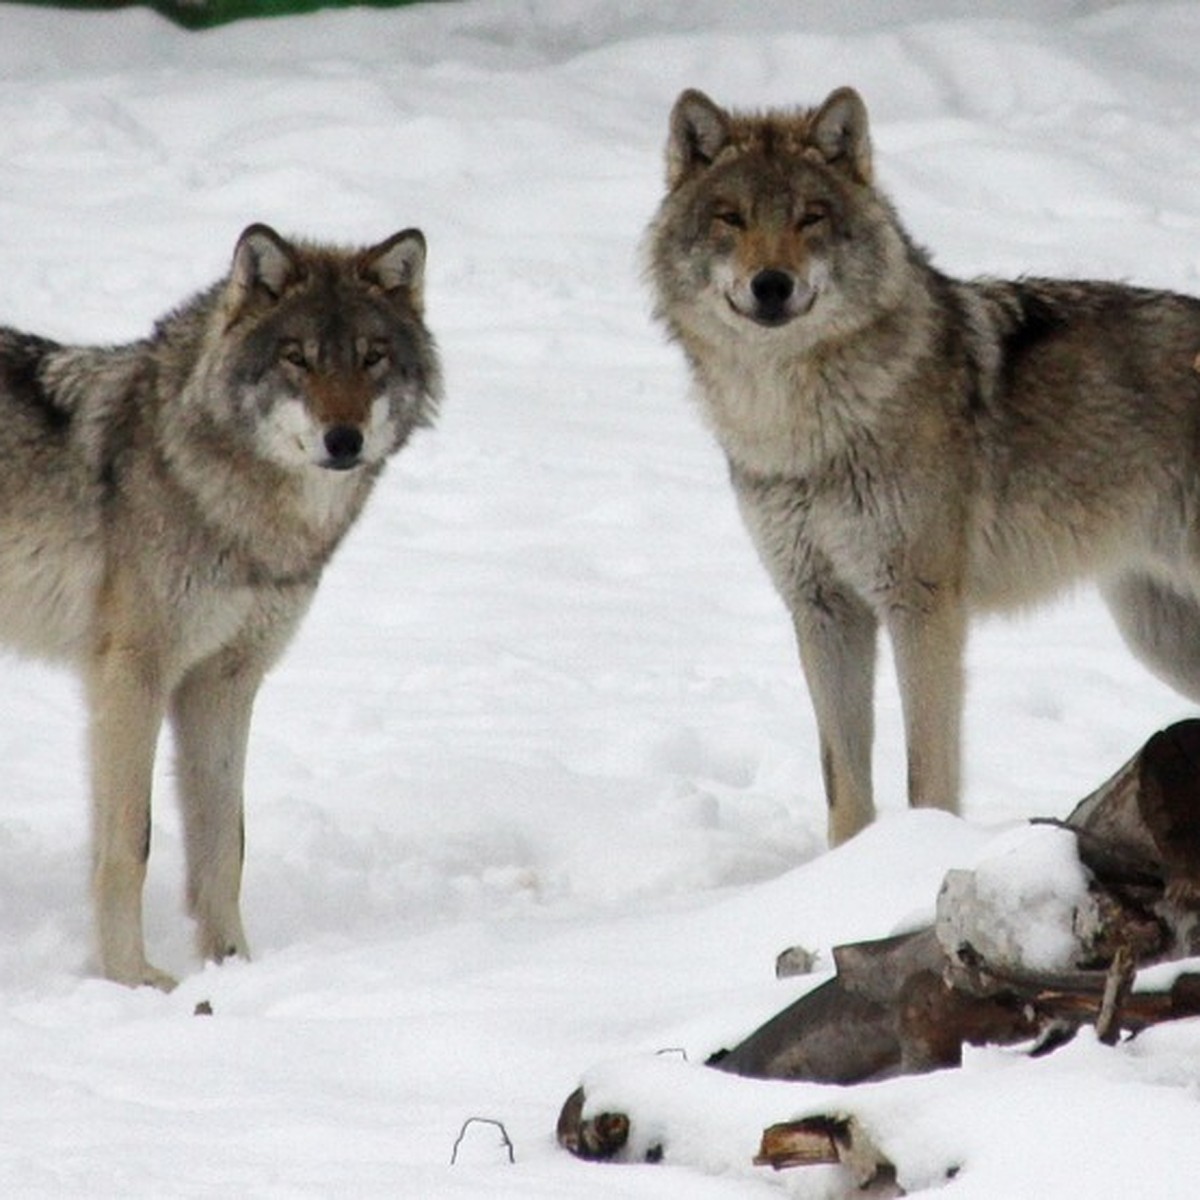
166,510
906,447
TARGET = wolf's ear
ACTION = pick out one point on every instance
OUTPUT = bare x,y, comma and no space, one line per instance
397,264
699,129
263,263
262,259
840,133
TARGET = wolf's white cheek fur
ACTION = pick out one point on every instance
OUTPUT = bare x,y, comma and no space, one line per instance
379,434
288,435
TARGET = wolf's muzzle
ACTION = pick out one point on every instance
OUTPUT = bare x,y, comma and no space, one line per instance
774,297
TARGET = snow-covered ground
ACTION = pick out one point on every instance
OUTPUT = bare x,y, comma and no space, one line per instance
535,792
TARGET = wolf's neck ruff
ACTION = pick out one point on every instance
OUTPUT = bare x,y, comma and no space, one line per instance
267,525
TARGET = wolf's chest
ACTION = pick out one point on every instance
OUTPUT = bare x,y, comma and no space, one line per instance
849,520
208,619
763,422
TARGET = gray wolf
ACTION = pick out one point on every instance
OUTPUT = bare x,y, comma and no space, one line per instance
166,510
907,448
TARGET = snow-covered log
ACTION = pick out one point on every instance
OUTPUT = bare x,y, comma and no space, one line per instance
1042,937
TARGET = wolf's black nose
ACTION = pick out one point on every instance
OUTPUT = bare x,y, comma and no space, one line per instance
772,289
343,444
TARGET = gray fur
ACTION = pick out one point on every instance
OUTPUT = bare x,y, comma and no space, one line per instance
907,448
166,513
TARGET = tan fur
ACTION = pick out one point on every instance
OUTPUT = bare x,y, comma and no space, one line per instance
168,513
907,448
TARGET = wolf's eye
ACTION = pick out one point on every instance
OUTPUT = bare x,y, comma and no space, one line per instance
730,217
814,214
292,352
373,356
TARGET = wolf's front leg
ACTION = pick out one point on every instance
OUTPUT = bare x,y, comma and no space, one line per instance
836,633
929,640
210,712
126,714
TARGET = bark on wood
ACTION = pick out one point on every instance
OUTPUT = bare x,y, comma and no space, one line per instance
1147,818
598,1137
908,1004
826,1140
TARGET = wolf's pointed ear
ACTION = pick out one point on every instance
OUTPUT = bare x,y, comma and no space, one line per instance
263,264
263,259
840,132
698,131
397,264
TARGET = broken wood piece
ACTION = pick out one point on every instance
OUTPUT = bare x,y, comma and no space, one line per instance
844,1030
829,1035
1148,815
1117,987
829,1140
877,970
936,1020
600,1137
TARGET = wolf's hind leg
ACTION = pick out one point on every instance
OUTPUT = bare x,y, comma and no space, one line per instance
1161,624
210,713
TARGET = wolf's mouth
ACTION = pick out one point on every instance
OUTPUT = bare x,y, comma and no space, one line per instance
773,298
771,320
771,316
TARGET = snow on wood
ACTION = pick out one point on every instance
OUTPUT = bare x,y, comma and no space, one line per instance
1125,896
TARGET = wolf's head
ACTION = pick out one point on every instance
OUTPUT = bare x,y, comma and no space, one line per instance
770,219
320,355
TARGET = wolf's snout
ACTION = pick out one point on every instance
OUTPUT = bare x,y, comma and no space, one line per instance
772,290
778,296
343,445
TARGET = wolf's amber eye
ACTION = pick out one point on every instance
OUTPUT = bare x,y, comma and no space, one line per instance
730,217
292,352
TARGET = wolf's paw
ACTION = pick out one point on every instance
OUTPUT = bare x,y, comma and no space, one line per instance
153,977
142,975
218,941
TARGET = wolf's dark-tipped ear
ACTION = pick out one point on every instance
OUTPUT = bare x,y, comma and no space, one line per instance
840,132
397,264
699,129
263,259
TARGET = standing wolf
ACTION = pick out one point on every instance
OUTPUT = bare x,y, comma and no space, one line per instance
166,510
907,447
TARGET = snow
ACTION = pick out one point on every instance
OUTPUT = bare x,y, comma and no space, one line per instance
1024,905
536,790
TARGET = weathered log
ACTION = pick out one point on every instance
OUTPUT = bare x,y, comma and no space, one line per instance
845,1030
1148,817
888,1008
936,1020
